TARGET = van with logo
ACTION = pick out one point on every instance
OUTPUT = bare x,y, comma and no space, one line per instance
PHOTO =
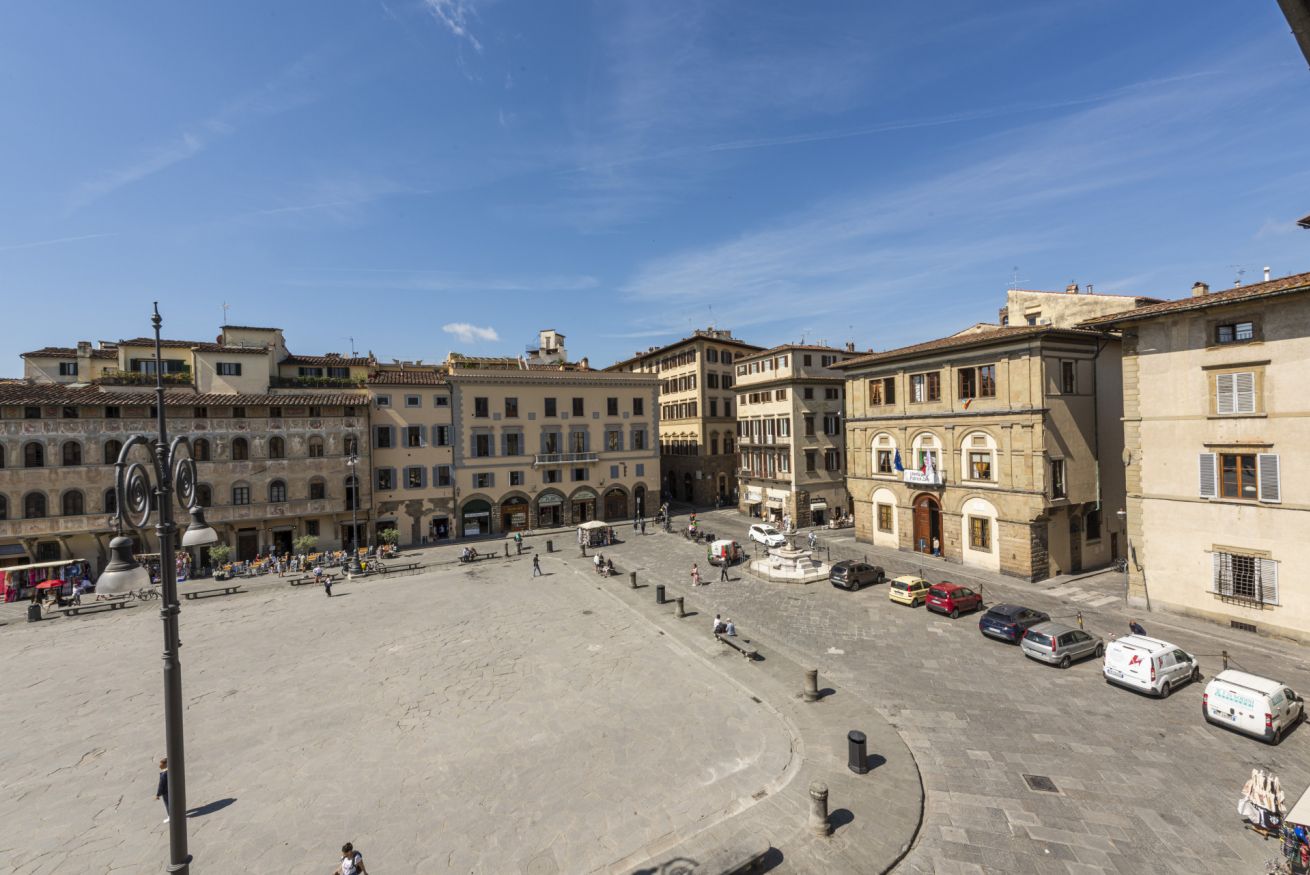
1252,705
1148,665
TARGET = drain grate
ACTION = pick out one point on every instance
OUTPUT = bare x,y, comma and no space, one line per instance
1041,784
1242,627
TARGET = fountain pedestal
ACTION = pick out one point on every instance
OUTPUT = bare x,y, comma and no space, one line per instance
790,565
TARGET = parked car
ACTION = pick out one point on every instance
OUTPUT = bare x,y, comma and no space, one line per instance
1252,705
1058,644
951,598
1148,665
849,574
766,535
1009,622
723,552
908,590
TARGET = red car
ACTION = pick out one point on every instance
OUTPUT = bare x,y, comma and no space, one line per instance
951,598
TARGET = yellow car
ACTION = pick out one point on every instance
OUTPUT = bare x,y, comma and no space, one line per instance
908,590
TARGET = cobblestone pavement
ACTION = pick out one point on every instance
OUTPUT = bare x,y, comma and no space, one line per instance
464,720
1143,785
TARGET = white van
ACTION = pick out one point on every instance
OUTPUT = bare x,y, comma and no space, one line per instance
1148,665
1252,705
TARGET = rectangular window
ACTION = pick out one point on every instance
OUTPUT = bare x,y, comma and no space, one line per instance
241,495
832,393
513,444
311,527
809,427
1234,393
714,407
831,424
309,372
639,439
413,435
1238,476
1057,478
638,407
482,445
1234,332
229,369
550,407
934,386
1250,578
553,475
382,401
413,401
832,460
515,478
579,474
317,489
578,409
413,478
980,533
382,437
386,478
68,369
482,481
885,518
339,373
885,462
481,408
443,475
611,407
987,381
968,381
918,388
441,435
313,411
110,413
237,413
511,408
780,395
69,413
980,465
203,413
1092,525
1068,377
641,470
810,460
440,400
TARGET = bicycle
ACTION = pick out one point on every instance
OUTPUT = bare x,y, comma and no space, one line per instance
145,594
1121,566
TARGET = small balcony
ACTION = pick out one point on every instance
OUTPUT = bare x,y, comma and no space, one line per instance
140,378
548,460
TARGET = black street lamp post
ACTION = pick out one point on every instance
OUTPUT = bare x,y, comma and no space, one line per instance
352,566
174,470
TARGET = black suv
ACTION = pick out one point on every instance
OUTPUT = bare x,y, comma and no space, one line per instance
849,574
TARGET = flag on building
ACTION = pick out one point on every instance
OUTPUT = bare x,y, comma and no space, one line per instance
896,463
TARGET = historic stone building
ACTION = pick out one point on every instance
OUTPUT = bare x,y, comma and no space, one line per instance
540,442
697,423
1218,503
269,440
790,434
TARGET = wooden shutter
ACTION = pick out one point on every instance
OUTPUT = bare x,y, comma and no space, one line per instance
1244,392
1268,588
1224,393
1270,487
1208,479
1217,573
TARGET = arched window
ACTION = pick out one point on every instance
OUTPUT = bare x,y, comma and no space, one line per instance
34,506
73,503
200,450
240,449
317,488
277,491
111,501
884,454
112,449
33,456
926,446
316,447
2,455
72,453
277,448
204,495
351,445
727,444
4,507
978,450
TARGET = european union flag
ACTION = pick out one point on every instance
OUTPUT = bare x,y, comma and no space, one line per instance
896,463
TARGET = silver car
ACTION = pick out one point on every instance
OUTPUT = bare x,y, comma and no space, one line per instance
1058,644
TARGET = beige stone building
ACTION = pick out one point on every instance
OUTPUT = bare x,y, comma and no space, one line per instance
697,422
791,435
413,453
999,445
269,440
1215,424
540,442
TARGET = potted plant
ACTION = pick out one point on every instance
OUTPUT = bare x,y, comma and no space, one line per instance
305,544
389,537
218,556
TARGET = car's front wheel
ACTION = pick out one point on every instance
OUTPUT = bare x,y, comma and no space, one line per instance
1100,651
1065,662
955,613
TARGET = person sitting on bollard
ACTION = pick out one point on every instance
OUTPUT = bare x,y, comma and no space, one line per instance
609,567
729,629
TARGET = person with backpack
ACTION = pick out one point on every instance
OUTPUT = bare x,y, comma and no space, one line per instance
352,861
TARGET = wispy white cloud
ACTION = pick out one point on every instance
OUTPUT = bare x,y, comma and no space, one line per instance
35,244
279,94
455,15
467,333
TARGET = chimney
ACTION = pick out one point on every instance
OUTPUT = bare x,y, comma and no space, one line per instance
1088,289
1199,289
1266,273
84,347
1071,289
584,365
850,346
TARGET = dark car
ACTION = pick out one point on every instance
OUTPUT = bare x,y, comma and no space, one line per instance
952,599
849,574
1009,622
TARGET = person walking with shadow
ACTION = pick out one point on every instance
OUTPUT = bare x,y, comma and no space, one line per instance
352,861
723,570
536,565
695,574
161,789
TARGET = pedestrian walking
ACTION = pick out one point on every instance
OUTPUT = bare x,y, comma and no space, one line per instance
695,574
161,790
536,565
936,547
352,861
723,570
643,525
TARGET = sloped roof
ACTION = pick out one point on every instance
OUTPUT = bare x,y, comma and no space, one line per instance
69,352
1288,285
961,341
407,377
661,350
334,360
29,392
806,347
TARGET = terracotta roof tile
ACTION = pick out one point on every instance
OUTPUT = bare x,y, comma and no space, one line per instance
28,392
334,360
957,341
52,351
809,347
409,377
1296,283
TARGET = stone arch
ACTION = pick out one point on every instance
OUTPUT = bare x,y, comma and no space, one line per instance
33,455
475,515
111,450
882,458
34,506
550,507
979,456
615,504
72,503
881,536
514,511
200,449
240,449
979,533
70,453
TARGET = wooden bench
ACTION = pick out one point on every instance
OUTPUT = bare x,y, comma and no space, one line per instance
741,645
214,590
112,603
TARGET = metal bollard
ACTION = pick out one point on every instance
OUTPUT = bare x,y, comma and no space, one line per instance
1080,619
681,613
632,579
659,593
811,692
819,810
857,757
1224,653
507,549
550,546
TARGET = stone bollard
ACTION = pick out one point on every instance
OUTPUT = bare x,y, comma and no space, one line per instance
507,549
550,546
632,579
659,593
1224,654
681,613
819,810
811,693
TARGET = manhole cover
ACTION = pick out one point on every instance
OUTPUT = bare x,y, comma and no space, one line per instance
1041,784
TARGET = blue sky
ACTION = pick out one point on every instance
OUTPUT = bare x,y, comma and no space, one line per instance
406,171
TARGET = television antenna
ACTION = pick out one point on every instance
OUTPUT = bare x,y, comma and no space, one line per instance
1014,278
1239,273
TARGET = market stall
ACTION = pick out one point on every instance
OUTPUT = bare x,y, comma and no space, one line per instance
18,582
596,534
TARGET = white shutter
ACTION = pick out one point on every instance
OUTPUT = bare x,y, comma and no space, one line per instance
1224,393
1268,591
1217,574
1244,392
1208,484
1270,487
